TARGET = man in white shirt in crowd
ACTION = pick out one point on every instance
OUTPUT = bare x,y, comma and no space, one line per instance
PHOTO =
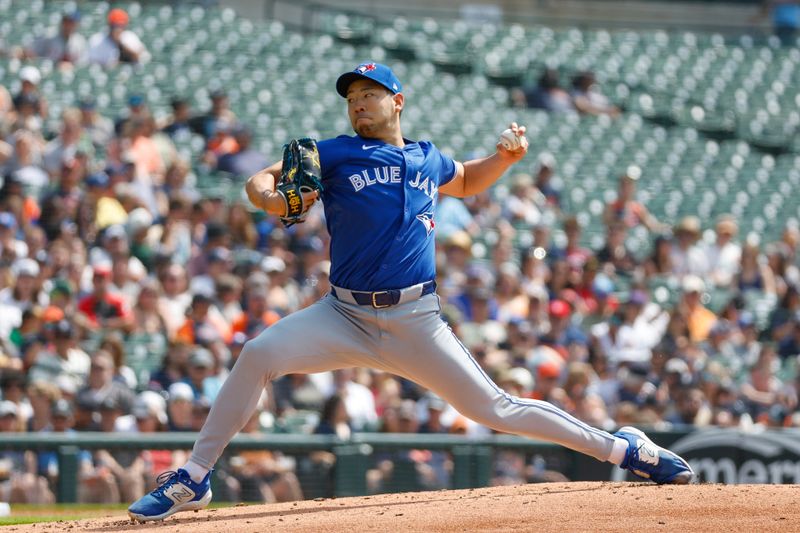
64,46
118,45
723,255
687,257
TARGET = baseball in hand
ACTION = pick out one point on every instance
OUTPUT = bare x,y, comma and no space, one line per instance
510,140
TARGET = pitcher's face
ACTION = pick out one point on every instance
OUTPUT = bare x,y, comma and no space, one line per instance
372,109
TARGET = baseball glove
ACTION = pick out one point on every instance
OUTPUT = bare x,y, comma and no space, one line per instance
301,173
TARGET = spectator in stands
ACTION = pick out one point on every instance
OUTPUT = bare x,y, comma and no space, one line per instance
98,129
753,274
29,95
723,255
113,343
147,321
547,94
201,375
687,257
96,485
179,123
699,319
297,392
103,308
118,44
625,208
789,344
101,386
25,164
581,400
6,111
174,367
219,116
334,419
358,400
150,410
19,482
202,325
720,354
779,261
512,301
218,262
245,161
574,254
175,300
477,303
785,15
762,390
547,374
659,264
691,409
615,256
69,142
179,407
265,475
137,109
24,293
587,98
243,233
543,180
257,316
221,143
63,46
64,358
12,386
520,206
144,152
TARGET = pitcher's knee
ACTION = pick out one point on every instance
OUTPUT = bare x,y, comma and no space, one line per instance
258,354
494,414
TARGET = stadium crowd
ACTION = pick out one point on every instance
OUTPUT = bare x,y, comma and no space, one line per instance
126,295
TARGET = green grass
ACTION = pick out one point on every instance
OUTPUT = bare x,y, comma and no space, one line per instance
22,513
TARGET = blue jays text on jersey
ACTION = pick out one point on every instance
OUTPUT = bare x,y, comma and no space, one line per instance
379,201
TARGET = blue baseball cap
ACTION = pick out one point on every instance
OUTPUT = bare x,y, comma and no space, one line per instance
371,71
98,179
7,220
135,100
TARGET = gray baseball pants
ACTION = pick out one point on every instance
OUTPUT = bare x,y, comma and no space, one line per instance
409,340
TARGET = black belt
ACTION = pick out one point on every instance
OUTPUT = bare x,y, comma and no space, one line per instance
381,299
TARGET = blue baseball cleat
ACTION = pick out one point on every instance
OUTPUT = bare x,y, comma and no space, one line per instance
176,492
647,460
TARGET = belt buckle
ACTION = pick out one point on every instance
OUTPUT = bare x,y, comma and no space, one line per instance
375,304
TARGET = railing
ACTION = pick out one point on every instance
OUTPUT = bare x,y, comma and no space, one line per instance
471,457
718,455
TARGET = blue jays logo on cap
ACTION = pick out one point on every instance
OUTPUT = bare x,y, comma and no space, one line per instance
369,70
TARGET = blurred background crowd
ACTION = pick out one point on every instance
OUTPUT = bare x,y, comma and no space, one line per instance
126,293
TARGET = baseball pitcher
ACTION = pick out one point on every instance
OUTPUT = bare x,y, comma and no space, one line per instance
379,190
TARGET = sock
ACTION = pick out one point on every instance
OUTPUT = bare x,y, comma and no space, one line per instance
195,471
618,451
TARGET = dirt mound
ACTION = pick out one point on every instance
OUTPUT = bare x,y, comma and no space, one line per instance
546,507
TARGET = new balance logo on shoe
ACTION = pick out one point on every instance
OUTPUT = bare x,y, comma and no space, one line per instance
647,454
179,493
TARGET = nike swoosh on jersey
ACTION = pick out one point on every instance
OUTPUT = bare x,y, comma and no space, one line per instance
365,147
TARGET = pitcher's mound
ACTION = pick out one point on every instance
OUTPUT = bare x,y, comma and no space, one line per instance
552,507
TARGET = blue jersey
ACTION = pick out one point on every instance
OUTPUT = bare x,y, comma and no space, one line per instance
379,202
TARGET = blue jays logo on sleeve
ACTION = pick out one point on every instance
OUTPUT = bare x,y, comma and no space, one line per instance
427,220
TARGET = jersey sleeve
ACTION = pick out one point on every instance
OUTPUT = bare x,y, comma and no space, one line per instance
447,168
